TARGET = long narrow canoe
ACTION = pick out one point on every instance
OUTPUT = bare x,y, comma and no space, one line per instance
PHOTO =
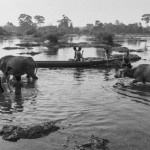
49,64
88,62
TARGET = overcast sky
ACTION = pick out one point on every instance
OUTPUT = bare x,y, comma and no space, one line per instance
80,12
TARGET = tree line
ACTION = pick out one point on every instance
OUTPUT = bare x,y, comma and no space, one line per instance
33,26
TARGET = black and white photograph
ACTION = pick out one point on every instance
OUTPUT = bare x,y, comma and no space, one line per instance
75,75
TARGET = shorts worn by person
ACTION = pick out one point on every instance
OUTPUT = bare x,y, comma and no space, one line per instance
18,85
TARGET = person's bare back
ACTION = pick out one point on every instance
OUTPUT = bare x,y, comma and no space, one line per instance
18,85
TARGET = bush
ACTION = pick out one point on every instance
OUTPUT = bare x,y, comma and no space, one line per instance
37,35
53,38
31,32
106,37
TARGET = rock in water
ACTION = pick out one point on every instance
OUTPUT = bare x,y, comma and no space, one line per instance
14,133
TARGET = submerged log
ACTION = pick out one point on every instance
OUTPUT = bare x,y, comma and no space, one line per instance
14,133
30,53
29,44
11,48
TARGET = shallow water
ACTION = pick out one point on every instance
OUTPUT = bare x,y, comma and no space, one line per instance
84,102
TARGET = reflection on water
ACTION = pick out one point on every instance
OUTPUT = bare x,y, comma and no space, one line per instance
136,44
136,92
11,103
5,103
107,75
100,52
51,51
68,53
78,74
145,47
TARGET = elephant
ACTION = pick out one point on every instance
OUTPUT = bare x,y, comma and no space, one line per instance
20,65
140,73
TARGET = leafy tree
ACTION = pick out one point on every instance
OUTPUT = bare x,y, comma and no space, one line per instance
97,22
117,22
39,19
146,18
31,31
108,38
9,24
53,38
105,38
25,22
64,23
25,19
71,25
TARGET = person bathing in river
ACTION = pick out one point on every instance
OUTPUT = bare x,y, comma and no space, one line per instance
125,63
126,60
18,85
79,54
1,89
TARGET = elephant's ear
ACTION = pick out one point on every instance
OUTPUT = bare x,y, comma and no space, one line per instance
9,70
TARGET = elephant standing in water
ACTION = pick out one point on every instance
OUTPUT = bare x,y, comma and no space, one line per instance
140,73
20,65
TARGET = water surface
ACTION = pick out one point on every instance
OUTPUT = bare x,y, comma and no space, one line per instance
83,101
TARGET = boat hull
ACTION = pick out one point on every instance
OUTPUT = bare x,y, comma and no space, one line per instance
49,64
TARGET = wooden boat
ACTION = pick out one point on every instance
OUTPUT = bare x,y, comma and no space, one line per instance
87,62
50,64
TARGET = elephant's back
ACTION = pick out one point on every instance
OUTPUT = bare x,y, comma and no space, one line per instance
15,61
143,71
18,64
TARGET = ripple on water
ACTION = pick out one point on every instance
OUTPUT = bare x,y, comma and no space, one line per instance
139,92
85,101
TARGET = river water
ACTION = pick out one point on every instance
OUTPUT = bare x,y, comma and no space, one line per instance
83,101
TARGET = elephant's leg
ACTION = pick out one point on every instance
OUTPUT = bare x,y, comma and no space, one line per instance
135,81
32,75
139,79
8,83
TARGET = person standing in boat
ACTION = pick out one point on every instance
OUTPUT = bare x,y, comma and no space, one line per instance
79,54
75,53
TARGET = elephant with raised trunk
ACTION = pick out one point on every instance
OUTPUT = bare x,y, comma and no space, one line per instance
20,65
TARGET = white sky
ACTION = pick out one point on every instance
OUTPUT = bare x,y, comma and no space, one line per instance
80,12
